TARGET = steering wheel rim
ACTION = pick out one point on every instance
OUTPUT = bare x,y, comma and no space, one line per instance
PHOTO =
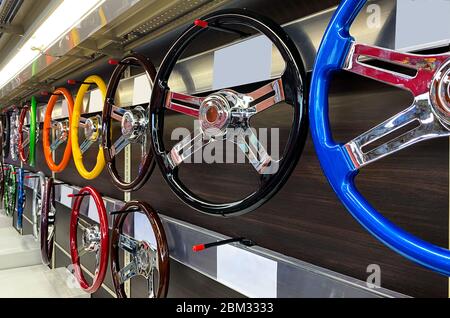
11,189
14,134
38,196
339,165
5,124
147,163
162,249
48,128
77,152
21,198
289,88
29,142
48,220
102,265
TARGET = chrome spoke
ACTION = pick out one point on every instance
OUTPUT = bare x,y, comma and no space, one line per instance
128,272
273,93
425,66
256,152
128,244
179,103
187,147
117,113
26,142
97,261
56,144
86,145
119,145
151,284
144,154
424,125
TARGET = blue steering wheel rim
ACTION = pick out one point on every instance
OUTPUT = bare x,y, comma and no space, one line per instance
337,165
20,197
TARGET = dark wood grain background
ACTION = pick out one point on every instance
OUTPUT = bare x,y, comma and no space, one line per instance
305,219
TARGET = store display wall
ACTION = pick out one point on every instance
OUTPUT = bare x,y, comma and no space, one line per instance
305,220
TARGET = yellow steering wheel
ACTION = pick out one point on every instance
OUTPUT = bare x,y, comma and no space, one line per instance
92,129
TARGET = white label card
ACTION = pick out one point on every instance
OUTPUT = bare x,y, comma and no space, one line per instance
246,62
64,110
95,101
143,230
422,24
141,90
248,273
65,200
92,210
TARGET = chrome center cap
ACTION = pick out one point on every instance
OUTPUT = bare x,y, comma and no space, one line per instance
92,128
91,238
144,259
62,130
440,92
133,123
214,113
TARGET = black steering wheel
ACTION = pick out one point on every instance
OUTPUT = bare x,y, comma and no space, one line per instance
226,110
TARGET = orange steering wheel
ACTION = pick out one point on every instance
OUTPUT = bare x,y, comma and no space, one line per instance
61,129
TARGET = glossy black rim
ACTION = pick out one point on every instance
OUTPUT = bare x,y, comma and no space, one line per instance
294,85
20,197
5,122
148,162
11,187
46,221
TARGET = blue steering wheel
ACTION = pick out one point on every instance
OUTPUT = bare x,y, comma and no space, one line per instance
20,197
430,112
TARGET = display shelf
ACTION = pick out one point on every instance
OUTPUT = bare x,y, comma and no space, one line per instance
195,74
17,250
4,220
39,281
325,236
106,31
252,271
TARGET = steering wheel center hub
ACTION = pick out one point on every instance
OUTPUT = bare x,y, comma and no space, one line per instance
215,113
91,238
440,92
134,123
144,259
62,130
92,128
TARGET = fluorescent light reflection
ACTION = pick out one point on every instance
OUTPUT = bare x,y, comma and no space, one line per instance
65,17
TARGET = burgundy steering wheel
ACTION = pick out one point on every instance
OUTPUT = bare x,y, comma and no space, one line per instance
150,262
48,222
94,239
134,123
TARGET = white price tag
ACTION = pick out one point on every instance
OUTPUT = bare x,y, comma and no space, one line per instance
250,59
143,230
92,210
64,110
248,273
141,90
95,101
65,200
422,24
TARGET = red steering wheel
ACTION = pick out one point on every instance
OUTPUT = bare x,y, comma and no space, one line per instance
94,240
